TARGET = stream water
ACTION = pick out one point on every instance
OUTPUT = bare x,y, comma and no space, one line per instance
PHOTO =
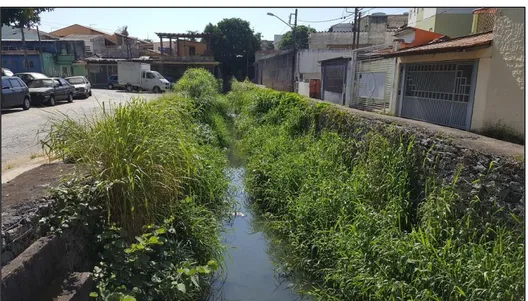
249,273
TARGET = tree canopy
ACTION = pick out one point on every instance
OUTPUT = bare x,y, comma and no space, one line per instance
22,17
234,44
301,36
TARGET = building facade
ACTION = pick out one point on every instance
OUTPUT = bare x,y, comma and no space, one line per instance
453,22
53,58
374,29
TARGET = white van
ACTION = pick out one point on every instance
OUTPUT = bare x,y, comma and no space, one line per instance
138,76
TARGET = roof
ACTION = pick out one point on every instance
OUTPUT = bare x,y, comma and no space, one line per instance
485,10
335,59
81,36
10,33
483,39
93,29
182,35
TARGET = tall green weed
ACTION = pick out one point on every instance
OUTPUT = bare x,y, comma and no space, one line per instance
355,219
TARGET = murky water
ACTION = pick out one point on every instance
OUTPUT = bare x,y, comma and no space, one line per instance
250,273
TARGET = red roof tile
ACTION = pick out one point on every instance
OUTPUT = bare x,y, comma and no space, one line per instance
450,45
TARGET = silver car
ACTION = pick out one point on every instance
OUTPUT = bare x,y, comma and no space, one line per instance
82,86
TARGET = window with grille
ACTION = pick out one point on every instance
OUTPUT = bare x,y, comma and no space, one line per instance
450,81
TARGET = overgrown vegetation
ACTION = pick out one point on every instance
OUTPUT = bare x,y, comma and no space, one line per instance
357,221
155,193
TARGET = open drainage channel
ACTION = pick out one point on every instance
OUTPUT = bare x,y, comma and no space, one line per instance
249,274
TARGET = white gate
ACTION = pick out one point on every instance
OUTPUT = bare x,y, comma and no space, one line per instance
440,93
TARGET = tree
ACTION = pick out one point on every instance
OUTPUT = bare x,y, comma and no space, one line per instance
234,44
22,18
301,36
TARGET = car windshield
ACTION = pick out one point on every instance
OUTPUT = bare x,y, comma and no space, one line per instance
75,80
40,83
157,74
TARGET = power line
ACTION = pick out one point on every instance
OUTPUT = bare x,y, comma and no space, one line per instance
322,21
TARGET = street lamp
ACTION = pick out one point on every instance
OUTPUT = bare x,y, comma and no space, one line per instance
294,29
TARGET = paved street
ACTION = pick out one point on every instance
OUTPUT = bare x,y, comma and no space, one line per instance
22,130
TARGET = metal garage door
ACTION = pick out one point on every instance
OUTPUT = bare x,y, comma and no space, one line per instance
440,93
334,80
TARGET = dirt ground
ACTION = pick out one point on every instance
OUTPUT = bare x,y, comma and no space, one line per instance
33,184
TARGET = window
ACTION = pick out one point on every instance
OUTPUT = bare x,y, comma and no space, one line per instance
56,82
192,50
150,75
64,70
63,82
28,64
5,84
144,75
22,83
14,83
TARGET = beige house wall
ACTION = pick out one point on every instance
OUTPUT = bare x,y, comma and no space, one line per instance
505,90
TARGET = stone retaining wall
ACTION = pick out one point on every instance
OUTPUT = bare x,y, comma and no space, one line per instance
446,151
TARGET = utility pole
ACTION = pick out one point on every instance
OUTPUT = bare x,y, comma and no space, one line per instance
294,34
354,28
358,29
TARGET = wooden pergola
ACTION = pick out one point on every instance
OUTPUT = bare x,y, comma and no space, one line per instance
177,36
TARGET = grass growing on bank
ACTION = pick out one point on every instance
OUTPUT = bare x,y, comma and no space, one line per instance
156,190
356,222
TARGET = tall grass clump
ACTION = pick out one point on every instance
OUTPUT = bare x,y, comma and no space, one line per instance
157,171
355,219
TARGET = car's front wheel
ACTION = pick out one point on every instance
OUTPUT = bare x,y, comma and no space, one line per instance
26,104
90,93
51,101
110,87
156,89
70,98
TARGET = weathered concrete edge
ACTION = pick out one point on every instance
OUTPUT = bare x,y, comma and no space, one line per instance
462,138
81,289
29,272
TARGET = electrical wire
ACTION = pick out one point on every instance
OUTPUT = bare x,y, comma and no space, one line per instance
322,21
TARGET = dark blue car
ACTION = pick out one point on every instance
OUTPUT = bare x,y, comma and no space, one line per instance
113,83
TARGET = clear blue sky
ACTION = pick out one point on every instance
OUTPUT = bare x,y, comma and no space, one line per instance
143,22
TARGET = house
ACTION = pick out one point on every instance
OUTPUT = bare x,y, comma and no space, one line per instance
50,57
94,44
183,52
182,47
451,21
375,29
30,34
473,83
116,45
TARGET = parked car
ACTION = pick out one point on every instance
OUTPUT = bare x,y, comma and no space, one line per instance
81,84
49,90
29,76
7,72
113,83
15,93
